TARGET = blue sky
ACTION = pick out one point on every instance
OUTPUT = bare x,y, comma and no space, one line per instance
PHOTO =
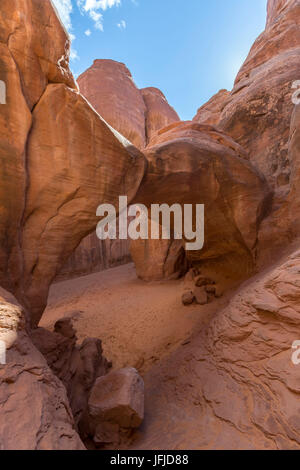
189,49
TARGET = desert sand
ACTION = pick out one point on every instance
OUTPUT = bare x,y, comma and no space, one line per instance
138,323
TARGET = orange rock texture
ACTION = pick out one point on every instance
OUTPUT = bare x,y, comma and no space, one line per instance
138,115
48,125
60,157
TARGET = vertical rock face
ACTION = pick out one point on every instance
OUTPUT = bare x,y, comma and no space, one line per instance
136,114
259,111
81,164
93,255
200,165
210,112
59,159
109,87
258,115
275,8
27,65
159,113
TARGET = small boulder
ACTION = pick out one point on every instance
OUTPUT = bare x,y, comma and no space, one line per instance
118,398
189,283
201,281
201,295
188,298
64,327
210,289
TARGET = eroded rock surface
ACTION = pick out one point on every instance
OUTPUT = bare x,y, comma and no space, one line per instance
200,165
60,160
116,405
109,87
235,385
210,112
34,408
138,115
77,366
159,113
259,111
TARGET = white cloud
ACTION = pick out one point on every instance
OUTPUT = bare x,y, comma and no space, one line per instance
122,24
93,7
74,54
64,8
97,18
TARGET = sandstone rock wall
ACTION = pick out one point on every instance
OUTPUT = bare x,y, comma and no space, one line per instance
235,385
93,255
200,165
258,114
59,158
138,115
210,112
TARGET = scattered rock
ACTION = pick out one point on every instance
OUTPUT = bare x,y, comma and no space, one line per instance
35,411
65,328
201,295
189,283
118,398
77,366
188,298
203,281
210,289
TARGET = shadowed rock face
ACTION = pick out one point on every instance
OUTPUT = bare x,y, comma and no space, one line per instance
258,114
190,163
138,115
64,160
81,165
60,160
94,255
27,65
235,385
76,365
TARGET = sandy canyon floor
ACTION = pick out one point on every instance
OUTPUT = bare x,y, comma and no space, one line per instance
143,325
139,323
